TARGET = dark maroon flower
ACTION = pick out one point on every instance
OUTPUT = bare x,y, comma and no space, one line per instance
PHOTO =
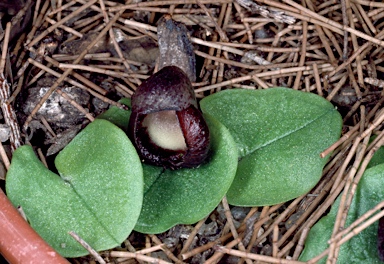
166,126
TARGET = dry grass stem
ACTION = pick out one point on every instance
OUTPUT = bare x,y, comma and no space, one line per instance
7,109
169,254
256,256
68,71
141,257
87,247
42,158
192,236
122,254
4,157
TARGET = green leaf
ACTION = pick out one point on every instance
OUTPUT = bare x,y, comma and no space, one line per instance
118,116
98,194
185,196
378,158
319,235
363,247
280,134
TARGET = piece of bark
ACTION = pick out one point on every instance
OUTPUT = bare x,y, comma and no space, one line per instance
175,47
61,140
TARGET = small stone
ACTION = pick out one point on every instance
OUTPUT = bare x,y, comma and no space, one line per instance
5,132
239,213
57,110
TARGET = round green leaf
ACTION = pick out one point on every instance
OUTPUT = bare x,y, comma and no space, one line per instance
363,247
98,194
316,241
280,134
378,158
185,196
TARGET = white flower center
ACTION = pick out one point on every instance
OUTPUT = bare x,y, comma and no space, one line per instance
164,130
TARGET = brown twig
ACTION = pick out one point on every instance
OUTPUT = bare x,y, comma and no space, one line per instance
6,107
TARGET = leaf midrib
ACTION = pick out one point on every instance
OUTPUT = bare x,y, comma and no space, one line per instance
88,207
286,134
